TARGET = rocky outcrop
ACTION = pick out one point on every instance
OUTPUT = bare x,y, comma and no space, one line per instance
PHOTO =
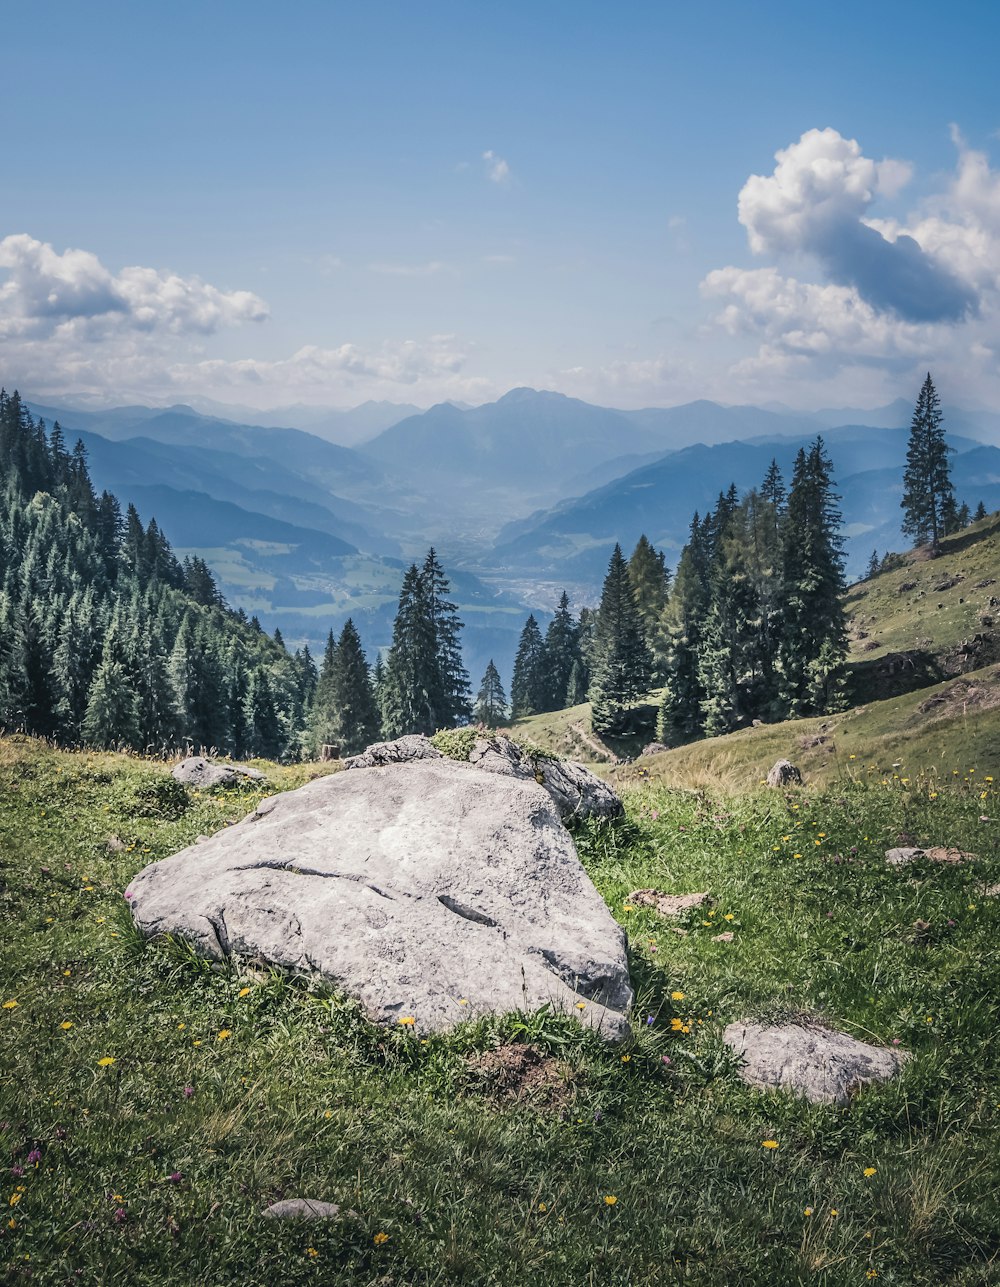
575,791
814,1062
432,891
198,772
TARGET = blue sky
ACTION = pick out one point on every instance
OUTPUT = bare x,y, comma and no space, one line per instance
326,202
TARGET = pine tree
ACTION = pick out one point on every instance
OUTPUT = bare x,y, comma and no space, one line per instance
680,635
456,705
980,513
264,732
560,654
110,718
622,659
874,566
928,497
529,681
963,518
413,698
814,633
491,701
356,719
647,572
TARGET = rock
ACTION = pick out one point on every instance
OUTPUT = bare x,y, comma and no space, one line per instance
412,747
817,1063
303,1209
726,937
906,854
196,771
115,844
431,891
784,773
991,891
575,791
654,748
667,904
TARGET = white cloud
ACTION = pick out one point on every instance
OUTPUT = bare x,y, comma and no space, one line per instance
497,168
46,291
897,294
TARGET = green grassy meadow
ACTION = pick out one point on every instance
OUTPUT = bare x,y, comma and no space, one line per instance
151,1106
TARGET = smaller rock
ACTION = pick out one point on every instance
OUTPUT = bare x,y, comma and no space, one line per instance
667,904
784,773
903,856
653,748
726,937
115,844
196,771
575,791
303,1209
991,891
818,1063
412,747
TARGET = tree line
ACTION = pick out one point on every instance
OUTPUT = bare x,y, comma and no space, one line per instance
108,640
751,625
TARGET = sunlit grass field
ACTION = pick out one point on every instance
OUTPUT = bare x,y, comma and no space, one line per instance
151,1106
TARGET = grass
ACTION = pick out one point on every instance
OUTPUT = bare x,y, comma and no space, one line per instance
153,1168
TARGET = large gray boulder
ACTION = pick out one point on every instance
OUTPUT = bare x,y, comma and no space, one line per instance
431,891
575,791
815,1062
198,772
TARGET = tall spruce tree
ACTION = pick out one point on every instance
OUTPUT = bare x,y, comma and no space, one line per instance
980,513
456,704
528,687
560,654
413,699
356,719
814,634
928,496
622,659
679,640
491,701
647,572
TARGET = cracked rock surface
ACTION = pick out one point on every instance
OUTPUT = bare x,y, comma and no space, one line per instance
428,890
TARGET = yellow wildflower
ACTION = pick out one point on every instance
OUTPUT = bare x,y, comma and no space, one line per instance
868,1172
224,1033
106,1062
677,996
610,1199
407,1020
380,1238
769,1144
66,1025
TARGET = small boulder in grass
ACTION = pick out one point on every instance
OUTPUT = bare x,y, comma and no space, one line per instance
667,904
810,1060
904,855
784,773
202,774
305,1209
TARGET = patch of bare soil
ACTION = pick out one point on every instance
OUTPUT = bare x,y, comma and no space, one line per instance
519,1073
964,695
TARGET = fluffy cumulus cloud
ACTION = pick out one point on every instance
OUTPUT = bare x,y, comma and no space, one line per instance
497,169
846,287
43,291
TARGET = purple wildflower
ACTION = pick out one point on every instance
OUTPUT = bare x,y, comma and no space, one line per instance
34,1157
188,1092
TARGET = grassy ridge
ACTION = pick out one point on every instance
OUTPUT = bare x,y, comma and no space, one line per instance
228,1089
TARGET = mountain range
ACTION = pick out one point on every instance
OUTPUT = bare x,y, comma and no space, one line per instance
521,496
